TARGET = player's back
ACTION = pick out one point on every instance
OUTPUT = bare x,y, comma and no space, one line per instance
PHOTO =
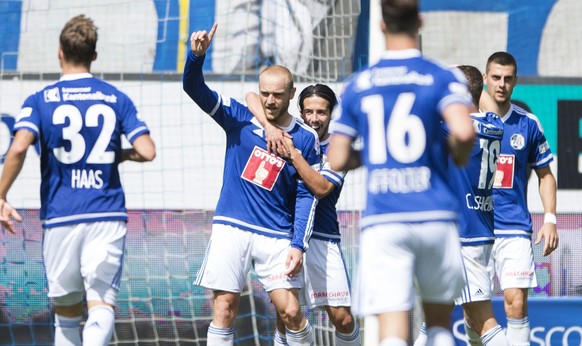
396,107
473,183
79,121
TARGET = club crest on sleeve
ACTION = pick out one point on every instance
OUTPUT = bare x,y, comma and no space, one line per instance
52,95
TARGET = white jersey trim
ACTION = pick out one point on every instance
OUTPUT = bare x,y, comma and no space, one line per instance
26,125
82,217
234,221
218,103
542,162
417,216
344,129
133,133
513,232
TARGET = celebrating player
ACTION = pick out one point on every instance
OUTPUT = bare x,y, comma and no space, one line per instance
326,281
409,228
79,122
523,147
474,187
264,216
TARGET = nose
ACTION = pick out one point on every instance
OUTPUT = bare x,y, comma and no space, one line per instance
270,99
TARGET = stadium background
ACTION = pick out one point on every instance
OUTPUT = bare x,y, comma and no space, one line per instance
141,49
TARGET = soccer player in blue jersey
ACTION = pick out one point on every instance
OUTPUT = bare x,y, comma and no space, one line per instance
409,225
524,147
79,122
326,280
264,216
474,187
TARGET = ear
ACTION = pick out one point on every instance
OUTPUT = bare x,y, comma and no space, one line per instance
383,26
94,56
292,93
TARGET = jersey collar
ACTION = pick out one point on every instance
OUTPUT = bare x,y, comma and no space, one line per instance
508,114
401,54
75,76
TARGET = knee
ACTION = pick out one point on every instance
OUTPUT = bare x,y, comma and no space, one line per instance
292,316
225,311
342,320
70,305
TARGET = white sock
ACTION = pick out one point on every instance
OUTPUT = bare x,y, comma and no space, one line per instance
303,337
67,331
439,336
99,326
219,336
495,337
472,336
351,339
392,341
279,339
518,331
421,338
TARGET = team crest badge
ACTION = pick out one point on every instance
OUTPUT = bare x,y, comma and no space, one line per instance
517,141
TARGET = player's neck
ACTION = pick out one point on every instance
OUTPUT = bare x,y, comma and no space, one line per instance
72,69
284,119
504,108
400,42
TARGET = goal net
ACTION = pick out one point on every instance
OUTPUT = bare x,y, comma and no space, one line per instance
141,50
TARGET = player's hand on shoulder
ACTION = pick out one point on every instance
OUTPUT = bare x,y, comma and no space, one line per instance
7,214
278,141
294,261
549,234
200,40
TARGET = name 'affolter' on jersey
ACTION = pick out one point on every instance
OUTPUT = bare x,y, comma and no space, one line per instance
399,180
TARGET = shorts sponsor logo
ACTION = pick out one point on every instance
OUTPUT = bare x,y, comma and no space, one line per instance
519,273
504,174
336,294
280,277
263,169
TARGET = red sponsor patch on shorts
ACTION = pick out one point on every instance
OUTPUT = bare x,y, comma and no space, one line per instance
262,168
504,173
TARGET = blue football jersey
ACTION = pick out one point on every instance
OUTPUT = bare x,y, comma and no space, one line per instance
261,192
396,107
79,122
326,226
524,146
473,183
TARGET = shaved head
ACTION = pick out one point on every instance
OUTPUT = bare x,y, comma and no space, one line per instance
278,72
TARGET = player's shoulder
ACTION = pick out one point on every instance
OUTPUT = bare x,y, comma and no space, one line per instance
488,124
526,116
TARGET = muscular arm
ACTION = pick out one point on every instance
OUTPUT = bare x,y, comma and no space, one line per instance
276,142
341,155
12,167
547,189
461,132
143,150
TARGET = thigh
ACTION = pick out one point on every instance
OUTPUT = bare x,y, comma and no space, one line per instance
478,287
384,280
326,277
227,260
269,256
61,250
513,263
439,263
102,253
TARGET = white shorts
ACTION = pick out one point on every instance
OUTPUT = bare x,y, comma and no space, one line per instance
513,264
478,288
230,254
81,256
391,256
326,281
